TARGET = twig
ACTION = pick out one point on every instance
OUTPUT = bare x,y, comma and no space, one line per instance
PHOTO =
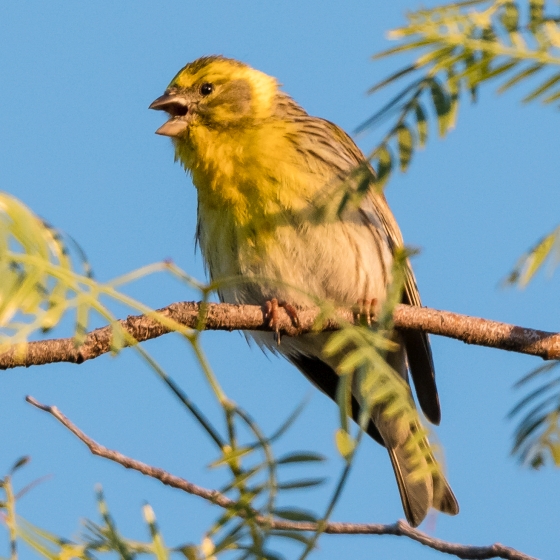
399,529
223,316
402,529
163,476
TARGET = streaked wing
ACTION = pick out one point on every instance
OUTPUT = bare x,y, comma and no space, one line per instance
421,363
344,155
417,344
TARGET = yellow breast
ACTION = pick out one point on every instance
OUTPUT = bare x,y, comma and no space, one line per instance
249,183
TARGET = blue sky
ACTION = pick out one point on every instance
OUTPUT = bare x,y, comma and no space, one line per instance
78,147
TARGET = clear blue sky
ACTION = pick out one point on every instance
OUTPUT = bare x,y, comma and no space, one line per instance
78,147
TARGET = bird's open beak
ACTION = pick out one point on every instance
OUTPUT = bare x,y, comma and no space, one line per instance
178,109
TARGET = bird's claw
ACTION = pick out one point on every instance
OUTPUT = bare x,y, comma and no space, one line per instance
364,311
272,319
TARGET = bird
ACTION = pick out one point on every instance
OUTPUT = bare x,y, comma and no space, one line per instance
264,170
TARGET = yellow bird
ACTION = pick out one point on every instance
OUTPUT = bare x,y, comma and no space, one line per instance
261,166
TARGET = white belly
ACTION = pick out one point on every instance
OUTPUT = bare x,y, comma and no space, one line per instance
341,262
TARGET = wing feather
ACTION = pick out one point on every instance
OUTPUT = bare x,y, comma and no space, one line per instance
344,156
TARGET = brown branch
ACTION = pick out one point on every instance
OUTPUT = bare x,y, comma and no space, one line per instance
399,529
154,472
403,529
471,330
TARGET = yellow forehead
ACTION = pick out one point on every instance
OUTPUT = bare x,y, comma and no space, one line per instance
217,70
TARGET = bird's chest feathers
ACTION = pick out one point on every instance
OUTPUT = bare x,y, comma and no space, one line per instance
249,190
254,197
251,172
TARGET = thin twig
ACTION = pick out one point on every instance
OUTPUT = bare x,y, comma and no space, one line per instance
163,476
224,316
399,529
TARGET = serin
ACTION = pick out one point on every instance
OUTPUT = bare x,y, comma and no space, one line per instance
265,170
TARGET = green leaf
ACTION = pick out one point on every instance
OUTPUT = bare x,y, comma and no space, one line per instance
402,48
462,4
555,452
336,342
40,541
440,100
421,124
344,443
56,309
252,552
21,462
536,14
439,59
293,535
288,422
229,456
110,531
306,457
349,363
537,257
392,78
231,537
385,165
30,250
159,549
541,89
528,425
453,87
553,97
243,478
405,143
469,73
189,551
303,483
537,414
521,76
533,395
344,399
545,368
509,16
500,69
390,106
293,514
537,462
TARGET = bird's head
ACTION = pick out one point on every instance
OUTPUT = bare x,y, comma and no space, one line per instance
216,92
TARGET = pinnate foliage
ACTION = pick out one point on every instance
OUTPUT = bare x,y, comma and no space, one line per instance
44,275
42,285
537,435
458,48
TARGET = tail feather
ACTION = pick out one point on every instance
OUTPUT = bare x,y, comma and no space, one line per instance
421,486
416,494
421,482
444,499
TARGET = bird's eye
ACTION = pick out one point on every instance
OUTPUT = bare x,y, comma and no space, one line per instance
206,88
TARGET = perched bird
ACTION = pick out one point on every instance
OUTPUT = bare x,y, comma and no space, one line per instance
262,167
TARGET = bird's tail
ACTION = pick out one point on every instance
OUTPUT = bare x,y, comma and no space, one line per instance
420,478
421,482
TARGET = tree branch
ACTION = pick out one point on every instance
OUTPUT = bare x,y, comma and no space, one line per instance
224,316
399,529
163,476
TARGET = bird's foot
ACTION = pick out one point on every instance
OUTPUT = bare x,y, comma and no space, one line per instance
271,316
364,311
